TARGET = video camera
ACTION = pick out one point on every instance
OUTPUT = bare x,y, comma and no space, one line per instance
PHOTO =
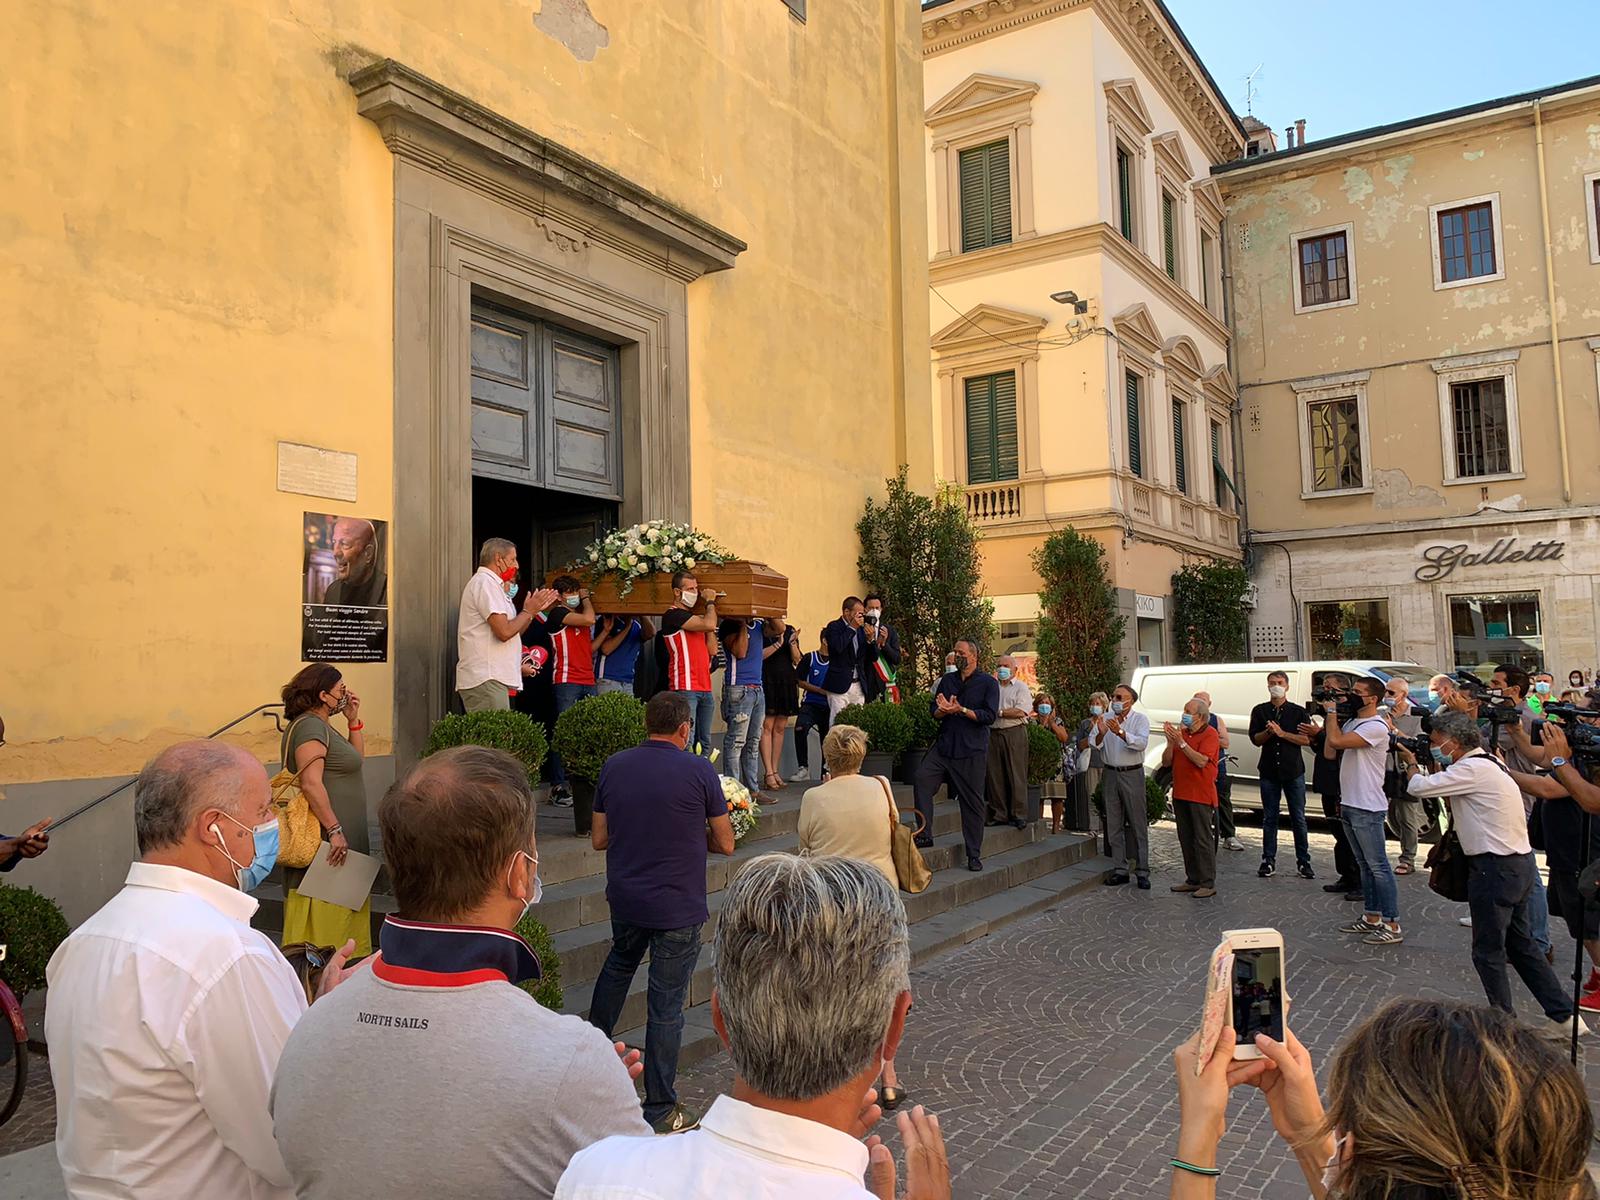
1417,743
1494,706
1346,703
1581,736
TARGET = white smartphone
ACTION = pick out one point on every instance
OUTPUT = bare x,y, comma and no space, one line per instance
1258,987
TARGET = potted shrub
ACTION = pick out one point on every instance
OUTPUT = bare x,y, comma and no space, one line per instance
515,733
547,988
33,927
587,734
1044,764
924,732
888,730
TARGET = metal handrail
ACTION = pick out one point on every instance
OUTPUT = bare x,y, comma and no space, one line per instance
277,719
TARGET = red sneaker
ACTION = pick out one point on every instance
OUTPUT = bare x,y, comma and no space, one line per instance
1593,981
1590,1000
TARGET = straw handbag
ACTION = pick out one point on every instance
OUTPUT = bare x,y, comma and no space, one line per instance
909,866
299,831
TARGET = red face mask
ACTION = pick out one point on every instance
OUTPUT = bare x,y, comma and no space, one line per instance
509,574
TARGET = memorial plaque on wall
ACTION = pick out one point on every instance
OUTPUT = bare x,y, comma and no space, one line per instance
344,592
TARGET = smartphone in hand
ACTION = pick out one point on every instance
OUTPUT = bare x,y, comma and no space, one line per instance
1258,987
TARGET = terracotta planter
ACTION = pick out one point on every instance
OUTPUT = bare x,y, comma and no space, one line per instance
753,590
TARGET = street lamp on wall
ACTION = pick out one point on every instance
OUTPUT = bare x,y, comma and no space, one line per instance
1078,306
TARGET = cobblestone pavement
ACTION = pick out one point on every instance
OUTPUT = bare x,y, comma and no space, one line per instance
34,1123
1046,1048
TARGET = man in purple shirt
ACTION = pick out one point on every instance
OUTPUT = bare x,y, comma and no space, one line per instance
658,816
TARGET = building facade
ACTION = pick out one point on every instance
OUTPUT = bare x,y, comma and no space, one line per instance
1418,350
530,269
1079,346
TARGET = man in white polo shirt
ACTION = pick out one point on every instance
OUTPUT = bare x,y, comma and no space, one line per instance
166,1011
489,629
1364,738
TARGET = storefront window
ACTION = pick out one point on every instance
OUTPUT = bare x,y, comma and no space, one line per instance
1349,629
1149,642
1497,630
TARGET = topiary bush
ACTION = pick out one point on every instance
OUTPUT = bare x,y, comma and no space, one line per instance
924,725
1044,755
31,927
887,726
515,733
547,988
1209,613
594,729
1155,800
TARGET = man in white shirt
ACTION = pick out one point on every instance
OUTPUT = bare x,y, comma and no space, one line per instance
810,997
166,1011
489,630
1121,737
1007,783
1486,813
1363,806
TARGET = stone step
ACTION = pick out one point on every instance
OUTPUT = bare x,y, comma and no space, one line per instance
956,907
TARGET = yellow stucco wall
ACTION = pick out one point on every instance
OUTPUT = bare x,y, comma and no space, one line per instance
199,264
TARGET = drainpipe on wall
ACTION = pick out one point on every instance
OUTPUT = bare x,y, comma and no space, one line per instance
1234,433
1550,294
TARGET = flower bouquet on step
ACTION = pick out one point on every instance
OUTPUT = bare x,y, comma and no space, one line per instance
743,810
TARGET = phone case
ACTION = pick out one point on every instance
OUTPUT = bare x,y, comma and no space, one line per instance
1219,981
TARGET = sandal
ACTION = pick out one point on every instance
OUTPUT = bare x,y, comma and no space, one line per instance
1403,868
774,781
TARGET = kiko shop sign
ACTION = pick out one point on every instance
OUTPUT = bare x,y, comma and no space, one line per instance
1440,562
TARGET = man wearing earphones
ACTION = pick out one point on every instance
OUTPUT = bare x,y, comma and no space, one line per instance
166,1011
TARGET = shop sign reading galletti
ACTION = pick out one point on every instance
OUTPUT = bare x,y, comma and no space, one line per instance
1440,562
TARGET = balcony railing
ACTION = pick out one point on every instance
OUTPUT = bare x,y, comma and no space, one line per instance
994,502
1143,501
1186,516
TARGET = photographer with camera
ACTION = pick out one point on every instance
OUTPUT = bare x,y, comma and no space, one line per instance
1363,806
1325,761
1486,813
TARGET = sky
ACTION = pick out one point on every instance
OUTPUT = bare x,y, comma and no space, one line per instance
1358,63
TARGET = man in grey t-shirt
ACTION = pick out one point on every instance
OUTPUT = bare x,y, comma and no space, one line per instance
433,1075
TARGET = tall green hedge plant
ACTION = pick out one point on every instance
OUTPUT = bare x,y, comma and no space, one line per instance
1080,630
1209,617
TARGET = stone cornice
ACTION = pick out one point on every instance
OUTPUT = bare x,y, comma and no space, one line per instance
442,130
1135,23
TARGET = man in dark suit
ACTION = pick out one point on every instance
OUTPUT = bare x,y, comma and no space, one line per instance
879,679
851,653
965,705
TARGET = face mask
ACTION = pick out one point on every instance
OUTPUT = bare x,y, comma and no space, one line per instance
1004,672
341,703
571,601
1385,705
266,852
1096,710
1542,688
873,616
509,578
538,886
951,668
1439,756
1046,709
1188,720
1433,698
1117,707
1277,691
962,662
689,598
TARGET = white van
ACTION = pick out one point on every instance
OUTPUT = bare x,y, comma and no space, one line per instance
1236,688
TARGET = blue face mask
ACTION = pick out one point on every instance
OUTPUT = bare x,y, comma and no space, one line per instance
266,845
1046,709
1188,720
1440,757
572,601
1433,698
1542,688
511,590
1004,672
1116,707
1096,710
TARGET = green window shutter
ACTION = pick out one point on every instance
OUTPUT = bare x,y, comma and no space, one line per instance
991,428
1125,192
1169,236
985,177
1135,436
1180,452
1217,486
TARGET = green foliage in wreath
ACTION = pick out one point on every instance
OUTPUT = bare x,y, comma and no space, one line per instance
515,733
1208,612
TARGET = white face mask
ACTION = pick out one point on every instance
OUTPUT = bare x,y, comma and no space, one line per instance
538,886
1116,707
1334,1167
1277,691
689,598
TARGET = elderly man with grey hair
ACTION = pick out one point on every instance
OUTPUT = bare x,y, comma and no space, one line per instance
166,1011
489,629
810,998
1006,785
1486,813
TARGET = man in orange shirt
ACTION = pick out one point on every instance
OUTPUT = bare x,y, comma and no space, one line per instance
1191,752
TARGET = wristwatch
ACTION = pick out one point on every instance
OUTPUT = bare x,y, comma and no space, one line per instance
1557,762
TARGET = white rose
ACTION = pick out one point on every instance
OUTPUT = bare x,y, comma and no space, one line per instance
640,569
682,543
699,544
611,562
688,563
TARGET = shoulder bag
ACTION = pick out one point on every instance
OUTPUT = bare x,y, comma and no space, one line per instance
299,831
909,867
1447,867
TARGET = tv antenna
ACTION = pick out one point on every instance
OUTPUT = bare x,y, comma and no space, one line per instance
1250,90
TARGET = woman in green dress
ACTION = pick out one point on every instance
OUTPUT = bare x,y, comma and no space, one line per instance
329,764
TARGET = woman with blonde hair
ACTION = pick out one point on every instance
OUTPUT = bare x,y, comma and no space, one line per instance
851,815
1427,1100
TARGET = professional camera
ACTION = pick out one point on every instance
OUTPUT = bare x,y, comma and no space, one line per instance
1581,736
1494,706
1417,743
1346,703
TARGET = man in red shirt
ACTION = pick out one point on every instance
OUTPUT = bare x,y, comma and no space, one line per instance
571,625
1192,750
683,654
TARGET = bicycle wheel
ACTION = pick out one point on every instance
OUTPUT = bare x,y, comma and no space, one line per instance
16,1038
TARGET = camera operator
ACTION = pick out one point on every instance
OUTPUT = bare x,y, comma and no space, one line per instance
1363,806
1406,721
1565,796
1486,811
1325,782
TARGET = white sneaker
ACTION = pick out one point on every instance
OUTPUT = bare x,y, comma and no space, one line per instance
1234,843
1466,921
800,776
1561,1031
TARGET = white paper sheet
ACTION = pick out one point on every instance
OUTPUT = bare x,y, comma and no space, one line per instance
347,885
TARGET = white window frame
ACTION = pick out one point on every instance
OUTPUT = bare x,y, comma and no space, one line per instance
1349,231
1209,281
1471,368
1333,387
1493,200
1589,206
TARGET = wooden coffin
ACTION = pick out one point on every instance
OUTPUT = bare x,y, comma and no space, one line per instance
753,590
